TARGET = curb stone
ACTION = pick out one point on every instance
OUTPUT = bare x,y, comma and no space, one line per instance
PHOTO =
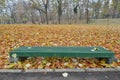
58,74
118,69
39,70
100,69
70,70
59,70
11,70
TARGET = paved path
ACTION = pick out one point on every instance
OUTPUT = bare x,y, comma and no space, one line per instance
90,74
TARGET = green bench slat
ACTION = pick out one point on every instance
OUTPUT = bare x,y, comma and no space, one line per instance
62,52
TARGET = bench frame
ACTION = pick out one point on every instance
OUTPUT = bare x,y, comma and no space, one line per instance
93,52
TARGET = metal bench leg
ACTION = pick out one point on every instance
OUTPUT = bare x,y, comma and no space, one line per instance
111,60
13,59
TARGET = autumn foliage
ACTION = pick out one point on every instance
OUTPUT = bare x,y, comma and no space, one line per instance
13,36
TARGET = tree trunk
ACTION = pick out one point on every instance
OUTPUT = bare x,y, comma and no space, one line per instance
87,12
59,19
46,14
59,10
115,3
87,16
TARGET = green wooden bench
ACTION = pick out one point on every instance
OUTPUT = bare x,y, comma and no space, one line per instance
83,52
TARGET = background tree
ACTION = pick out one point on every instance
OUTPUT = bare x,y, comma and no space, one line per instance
57,11
87,11
115,8
2,11
105,11
41,6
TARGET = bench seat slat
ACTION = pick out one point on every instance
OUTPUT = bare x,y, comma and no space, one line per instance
62,52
